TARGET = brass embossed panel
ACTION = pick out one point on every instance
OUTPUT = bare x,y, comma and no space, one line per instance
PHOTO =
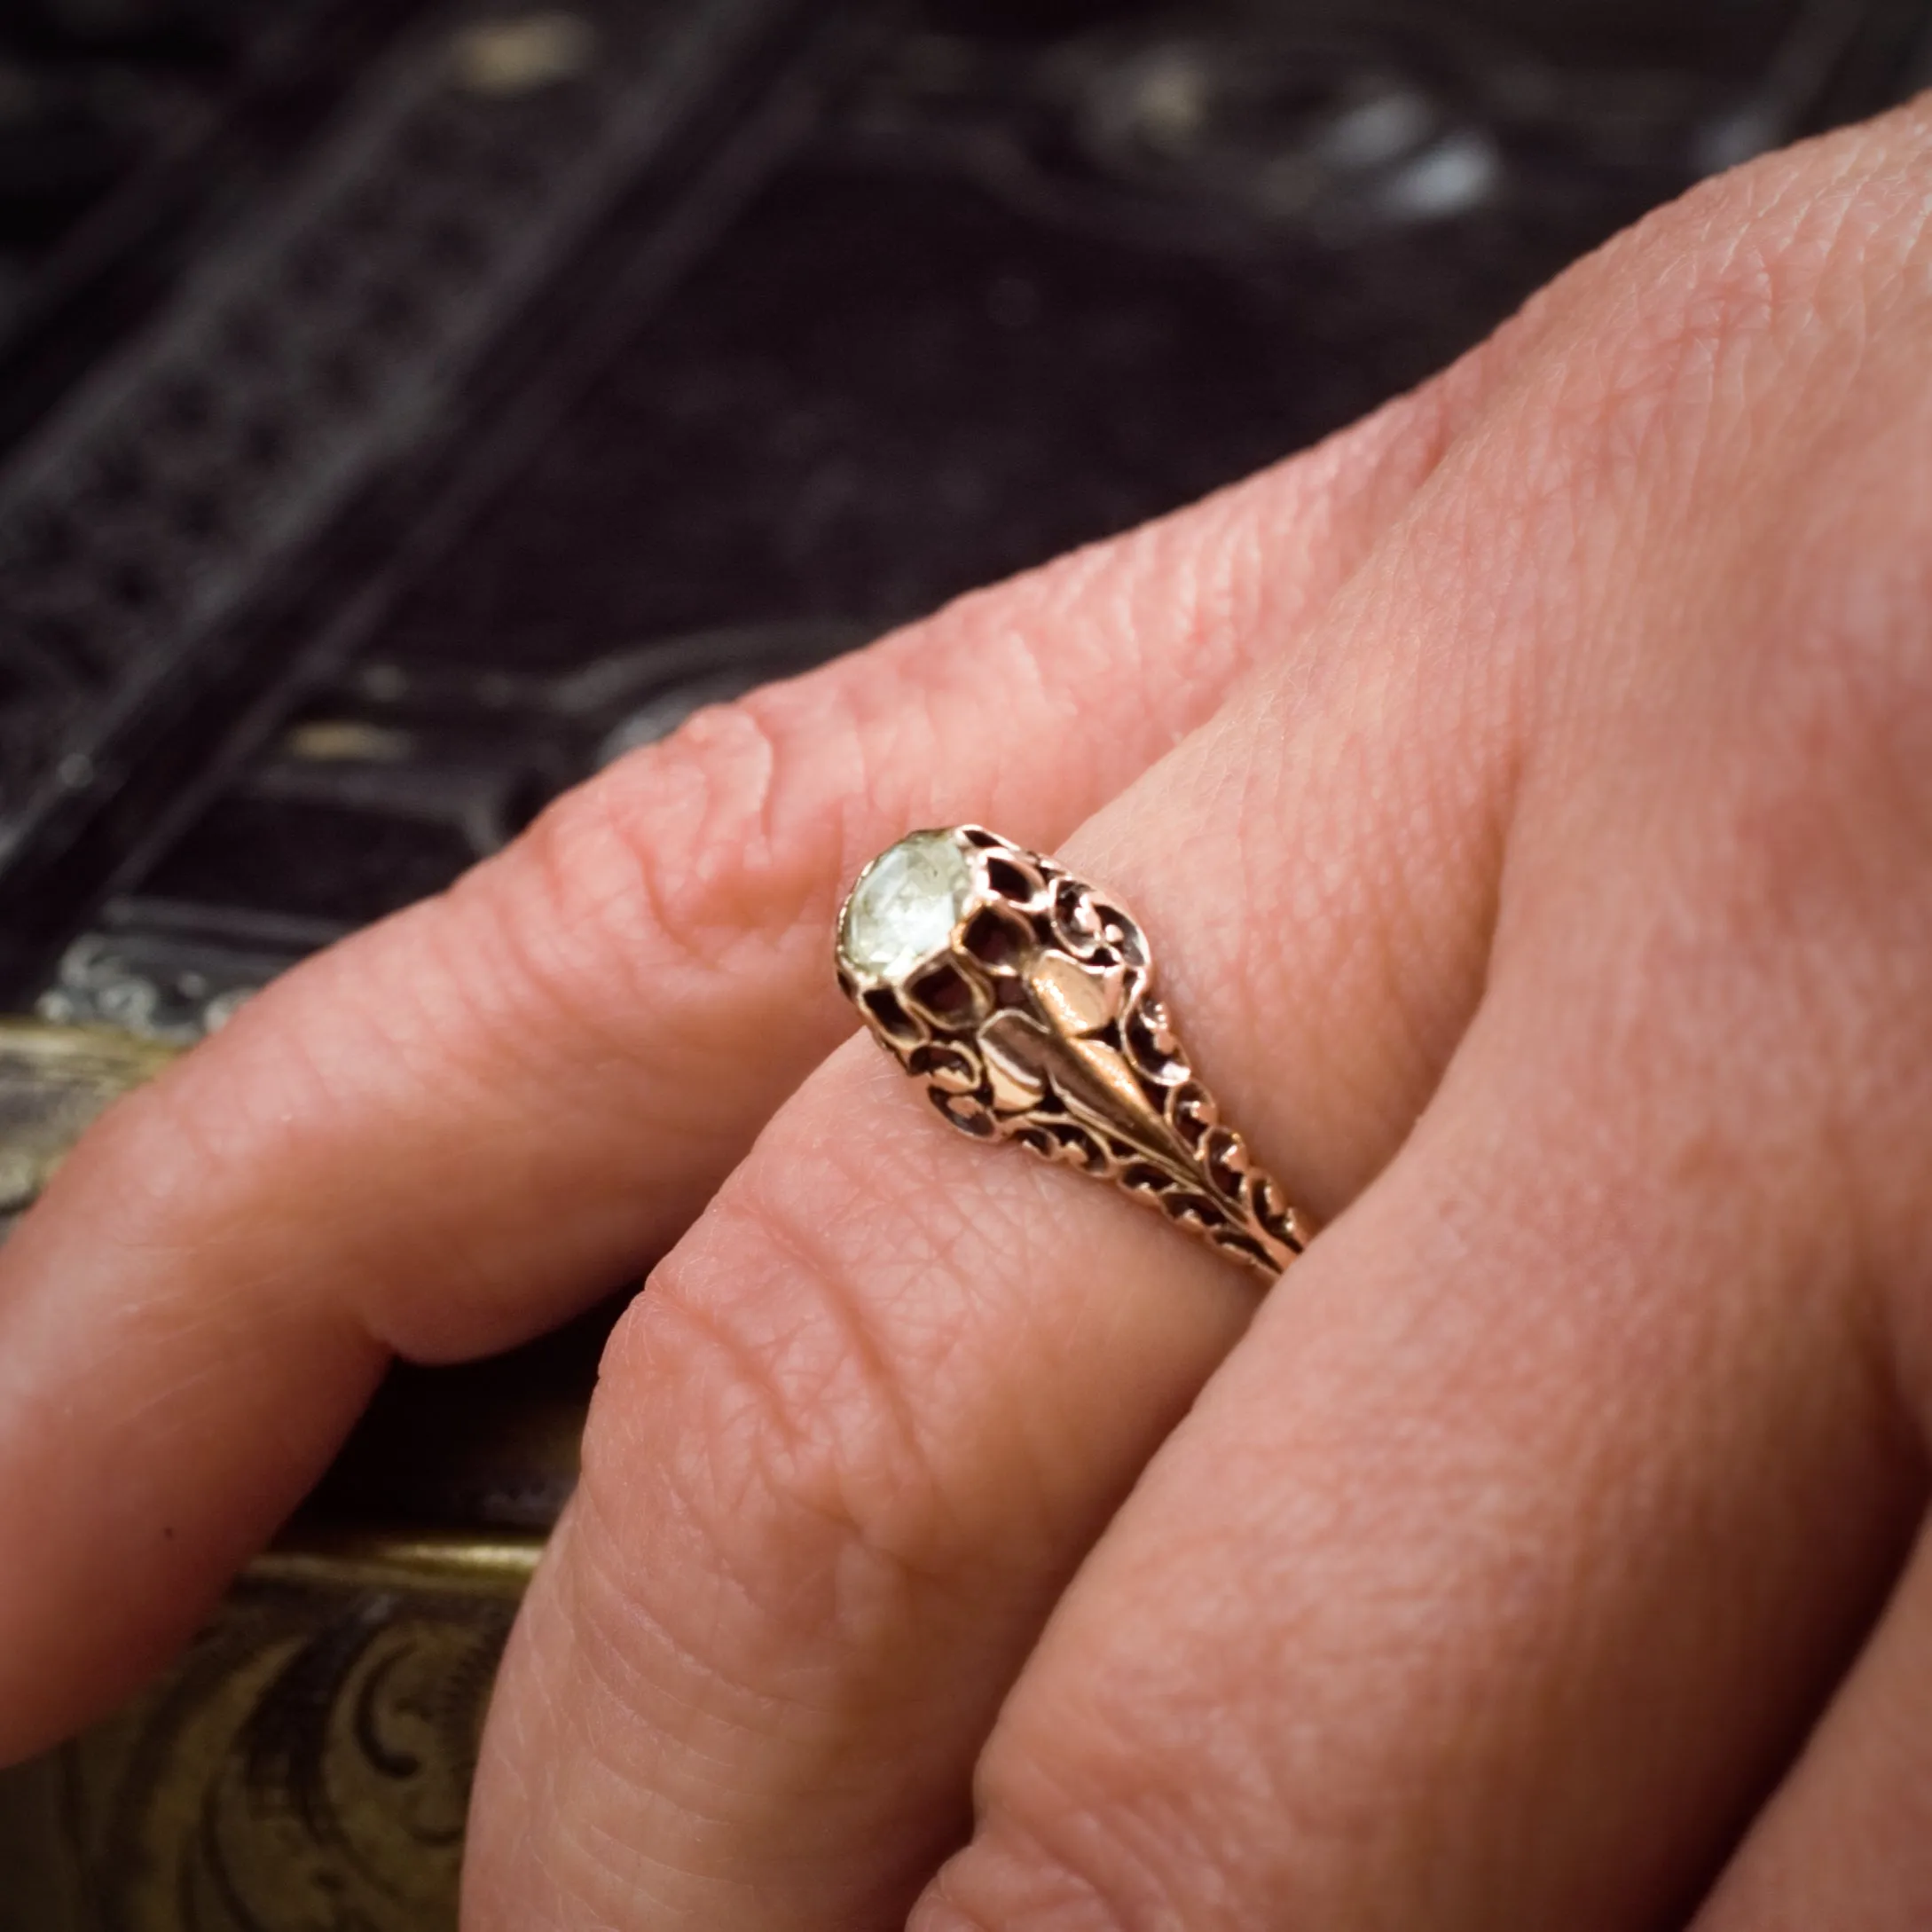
304,1769
54,1081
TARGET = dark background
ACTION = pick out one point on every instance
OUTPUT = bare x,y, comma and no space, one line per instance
403,408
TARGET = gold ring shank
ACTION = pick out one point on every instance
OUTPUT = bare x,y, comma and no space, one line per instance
1023,999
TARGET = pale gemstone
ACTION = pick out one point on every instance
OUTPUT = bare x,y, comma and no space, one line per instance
904,906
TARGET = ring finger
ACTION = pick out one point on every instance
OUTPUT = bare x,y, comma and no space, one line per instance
863,1424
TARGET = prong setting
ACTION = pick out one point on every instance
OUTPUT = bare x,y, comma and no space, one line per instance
1022,999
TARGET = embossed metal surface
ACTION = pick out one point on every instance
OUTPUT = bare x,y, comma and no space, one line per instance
305,1768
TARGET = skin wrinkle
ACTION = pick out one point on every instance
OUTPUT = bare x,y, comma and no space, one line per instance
136,1315
413,1320
608,1617
624,1657
594,935
710,873
176,1150
1069,1890
688,1804
658,1865
814,1471
837,1525
776,1228
158,1549
1423,828
551,976
626,1869
1223,577
1628,379
1098,1862
1231,780
155,1190
480,977
1055,604
1751,290
1123,1887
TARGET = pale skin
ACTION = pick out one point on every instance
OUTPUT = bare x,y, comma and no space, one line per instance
1528,795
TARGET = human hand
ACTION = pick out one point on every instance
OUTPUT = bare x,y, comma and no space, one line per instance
1528,796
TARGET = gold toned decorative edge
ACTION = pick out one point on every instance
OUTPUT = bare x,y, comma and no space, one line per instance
363,1559
55,1080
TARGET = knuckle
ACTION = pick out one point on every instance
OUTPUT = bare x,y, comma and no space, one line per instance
683,857
1687,319
749,1399
679,846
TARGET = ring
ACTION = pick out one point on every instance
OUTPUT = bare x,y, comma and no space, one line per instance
1023,998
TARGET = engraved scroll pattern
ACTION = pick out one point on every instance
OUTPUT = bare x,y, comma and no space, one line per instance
1043,1026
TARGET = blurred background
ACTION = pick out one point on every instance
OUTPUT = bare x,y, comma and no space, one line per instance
407,408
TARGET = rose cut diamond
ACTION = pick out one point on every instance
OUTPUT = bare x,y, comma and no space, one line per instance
904,906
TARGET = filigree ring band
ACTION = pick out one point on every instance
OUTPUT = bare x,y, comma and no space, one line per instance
1024,999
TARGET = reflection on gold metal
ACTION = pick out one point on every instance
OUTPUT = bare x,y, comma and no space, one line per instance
346,741
525,52
54,1081
306,1767
479,1566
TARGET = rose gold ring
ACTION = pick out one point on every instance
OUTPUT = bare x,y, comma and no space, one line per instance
1024,999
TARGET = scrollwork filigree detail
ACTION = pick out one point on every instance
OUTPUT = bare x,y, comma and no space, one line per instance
1037,1022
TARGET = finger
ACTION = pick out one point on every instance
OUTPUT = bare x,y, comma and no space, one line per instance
1846,1840
1499,1574
852,1439
849,1448
450,1131
1493,1576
